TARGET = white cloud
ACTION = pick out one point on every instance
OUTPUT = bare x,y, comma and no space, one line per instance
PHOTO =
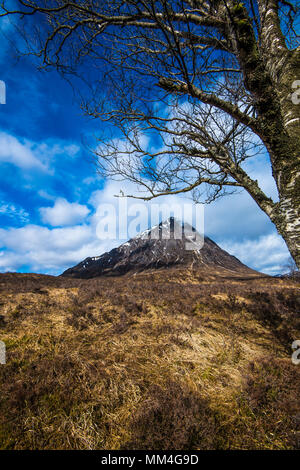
48,250
46,195
18,153
235,217
64,213
17,213
27,154
52,148
267,253
259,168
30,236
92,180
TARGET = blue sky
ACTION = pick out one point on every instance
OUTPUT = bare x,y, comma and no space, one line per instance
49,190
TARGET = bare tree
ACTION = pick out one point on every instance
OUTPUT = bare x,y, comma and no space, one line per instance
212,82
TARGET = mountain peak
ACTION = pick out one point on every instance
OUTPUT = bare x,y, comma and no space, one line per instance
172,228
169,243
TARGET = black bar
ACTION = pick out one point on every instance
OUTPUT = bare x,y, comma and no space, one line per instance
139,458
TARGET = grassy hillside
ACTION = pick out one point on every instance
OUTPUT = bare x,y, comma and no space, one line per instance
172,359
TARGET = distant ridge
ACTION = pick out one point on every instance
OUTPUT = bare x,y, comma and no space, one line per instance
157,248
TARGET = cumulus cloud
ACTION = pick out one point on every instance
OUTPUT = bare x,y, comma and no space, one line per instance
64,213
48,250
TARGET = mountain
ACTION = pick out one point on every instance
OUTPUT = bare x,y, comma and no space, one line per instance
157,248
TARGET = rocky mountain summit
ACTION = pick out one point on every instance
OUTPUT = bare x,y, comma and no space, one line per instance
167,244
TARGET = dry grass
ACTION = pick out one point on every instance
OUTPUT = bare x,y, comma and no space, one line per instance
157,360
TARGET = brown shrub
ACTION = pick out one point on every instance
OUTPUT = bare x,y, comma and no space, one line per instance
279,311
172,418
271,393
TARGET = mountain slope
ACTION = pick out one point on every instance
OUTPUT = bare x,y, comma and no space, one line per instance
157,248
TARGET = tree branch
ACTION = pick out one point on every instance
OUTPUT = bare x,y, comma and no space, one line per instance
211,99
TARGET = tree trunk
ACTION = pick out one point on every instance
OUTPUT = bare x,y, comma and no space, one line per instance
286,215
270,73
286,168
289,228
